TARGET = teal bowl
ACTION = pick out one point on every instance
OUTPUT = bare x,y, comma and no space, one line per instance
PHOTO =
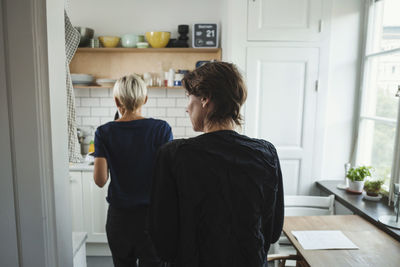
129,40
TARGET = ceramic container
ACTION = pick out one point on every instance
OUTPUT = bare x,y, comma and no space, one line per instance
129,40
106,82
356,186
158,39
142,45
109,41
86,35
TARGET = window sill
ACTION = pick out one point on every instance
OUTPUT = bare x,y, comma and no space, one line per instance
369,210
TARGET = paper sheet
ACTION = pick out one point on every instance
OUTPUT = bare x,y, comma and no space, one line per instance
323,240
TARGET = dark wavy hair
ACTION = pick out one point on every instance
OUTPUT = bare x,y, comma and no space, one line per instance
223,84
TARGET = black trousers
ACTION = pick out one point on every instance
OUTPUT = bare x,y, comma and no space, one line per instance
128,239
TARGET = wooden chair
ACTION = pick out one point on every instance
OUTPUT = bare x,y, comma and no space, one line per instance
282,250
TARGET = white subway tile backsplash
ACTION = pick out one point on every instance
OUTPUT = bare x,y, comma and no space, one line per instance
166,102
156,112
144,112
176,92
178,132
82,111
77,102
104,120
189,132
81,92
175,112
151,103
171,121
107,102
181,102
89,102
156,92
99,92
96,106
91,121
185,122
100,111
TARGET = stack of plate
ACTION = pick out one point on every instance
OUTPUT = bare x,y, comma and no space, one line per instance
82,79
106,82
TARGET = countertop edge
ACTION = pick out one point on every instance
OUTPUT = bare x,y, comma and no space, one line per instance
358,211
81,167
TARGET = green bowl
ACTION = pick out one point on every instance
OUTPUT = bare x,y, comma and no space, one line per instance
142,45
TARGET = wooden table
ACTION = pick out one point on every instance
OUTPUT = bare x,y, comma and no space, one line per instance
376,247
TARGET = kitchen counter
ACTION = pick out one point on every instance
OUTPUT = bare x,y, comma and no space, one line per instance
370,210
81,167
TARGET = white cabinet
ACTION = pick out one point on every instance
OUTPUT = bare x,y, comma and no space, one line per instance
285,20
95,207
76,196
89,206
281,107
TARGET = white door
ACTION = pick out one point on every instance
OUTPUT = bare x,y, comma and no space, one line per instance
281,108
95,209
285,20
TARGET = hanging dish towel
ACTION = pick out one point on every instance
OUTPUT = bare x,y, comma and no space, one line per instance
72,38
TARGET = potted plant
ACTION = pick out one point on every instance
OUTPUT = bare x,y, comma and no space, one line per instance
356,178
373,187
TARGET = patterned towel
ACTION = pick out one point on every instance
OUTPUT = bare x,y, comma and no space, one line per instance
72,38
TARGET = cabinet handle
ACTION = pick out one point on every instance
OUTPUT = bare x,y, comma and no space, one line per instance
398,91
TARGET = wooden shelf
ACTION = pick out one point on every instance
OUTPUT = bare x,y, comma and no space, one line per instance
114,63
149,50
148,87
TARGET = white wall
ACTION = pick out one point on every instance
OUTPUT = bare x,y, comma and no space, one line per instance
344,64
118,17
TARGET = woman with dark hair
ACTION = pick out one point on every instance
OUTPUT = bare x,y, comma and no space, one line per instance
217,199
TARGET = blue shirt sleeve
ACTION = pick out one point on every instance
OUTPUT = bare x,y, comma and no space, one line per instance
165,134
98,145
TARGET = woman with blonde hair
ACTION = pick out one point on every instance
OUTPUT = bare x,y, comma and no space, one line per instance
126,149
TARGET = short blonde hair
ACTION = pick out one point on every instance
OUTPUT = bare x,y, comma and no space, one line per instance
131,91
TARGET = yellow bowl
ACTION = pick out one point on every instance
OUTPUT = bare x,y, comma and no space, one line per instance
158,39
109,41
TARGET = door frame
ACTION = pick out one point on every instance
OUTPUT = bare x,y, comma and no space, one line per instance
32,48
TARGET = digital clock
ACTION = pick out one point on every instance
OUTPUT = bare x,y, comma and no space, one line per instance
205,35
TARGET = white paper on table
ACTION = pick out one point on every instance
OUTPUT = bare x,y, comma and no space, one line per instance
323,240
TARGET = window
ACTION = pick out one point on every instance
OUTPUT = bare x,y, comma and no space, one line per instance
378,132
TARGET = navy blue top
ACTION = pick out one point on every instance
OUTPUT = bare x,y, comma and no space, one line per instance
130,148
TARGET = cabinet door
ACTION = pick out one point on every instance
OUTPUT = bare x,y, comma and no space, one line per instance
284,20
95,209
281,108
76,196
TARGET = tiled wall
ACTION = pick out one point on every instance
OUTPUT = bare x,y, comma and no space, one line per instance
95,106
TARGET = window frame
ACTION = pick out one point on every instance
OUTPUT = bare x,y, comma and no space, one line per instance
360,117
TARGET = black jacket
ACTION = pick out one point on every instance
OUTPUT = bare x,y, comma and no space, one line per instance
217,200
